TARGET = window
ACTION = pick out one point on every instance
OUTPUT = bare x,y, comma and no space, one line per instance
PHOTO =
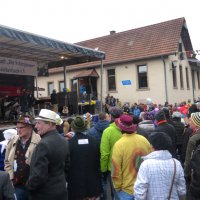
61,86
174,74
198,79
181,76
111,79
142,76
180,51
50,88
187,78
193,79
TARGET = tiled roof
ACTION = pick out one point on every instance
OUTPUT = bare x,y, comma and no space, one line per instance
141,43
87,73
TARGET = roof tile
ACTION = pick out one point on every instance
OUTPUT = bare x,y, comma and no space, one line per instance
140,43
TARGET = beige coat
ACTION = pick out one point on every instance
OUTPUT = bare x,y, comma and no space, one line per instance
10,153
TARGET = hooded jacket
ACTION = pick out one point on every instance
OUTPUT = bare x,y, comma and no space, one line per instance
110,135
155,176
97,130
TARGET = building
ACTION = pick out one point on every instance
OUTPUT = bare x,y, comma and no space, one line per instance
155,61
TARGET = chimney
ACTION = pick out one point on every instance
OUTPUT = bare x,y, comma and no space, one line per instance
112,32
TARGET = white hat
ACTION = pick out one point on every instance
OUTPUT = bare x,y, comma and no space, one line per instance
49,116
9,133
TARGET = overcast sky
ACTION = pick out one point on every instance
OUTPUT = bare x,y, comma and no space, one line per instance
78,20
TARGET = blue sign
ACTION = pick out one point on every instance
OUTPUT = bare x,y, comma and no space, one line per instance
126,82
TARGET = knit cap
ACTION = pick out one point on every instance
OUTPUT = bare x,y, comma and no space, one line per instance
195,117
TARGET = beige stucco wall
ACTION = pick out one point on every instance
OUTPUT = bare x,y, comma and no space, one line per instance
130,93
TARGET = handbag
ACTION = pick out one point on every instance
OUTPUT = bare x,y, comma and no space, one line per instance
170,191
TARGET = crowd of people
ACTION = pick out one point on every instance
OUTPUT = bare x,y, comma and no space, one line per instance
139,152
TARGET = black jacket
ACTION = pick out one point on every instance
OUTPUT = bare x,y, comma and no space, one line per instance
195,165
179,126
169,130
6,188
84,173
49,168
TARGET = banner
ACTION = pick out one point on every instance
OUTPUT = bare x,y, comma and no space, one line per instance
17,66
10,91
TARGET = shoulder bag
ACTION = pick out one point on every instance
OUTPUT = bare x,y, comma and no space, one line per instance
170,191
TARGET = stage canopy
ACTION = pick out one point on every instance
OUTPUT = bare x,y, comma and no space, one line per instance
27,46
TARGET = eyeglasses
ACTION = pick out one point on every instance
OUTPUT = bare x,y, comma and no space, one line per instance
21,127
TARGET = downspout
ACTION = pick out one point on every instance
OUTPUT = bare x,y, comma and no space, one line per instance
101,94
165,76
192,76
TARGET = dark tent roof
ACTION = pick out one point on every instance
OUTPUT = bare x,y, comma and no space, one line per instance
22,45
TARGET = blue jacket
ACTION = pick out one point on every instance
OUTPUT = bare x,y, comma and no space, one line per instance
136,112
97,130
2,157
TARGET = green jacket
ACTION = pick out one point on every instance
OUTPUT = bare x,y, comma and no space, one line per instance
110,135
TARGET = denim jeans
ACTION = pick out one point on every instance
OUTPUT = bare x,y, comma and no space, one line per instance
21,194
121,195
107,182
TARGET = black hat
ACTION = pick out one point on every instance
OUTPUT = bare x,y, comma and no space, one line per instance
160,141
160,115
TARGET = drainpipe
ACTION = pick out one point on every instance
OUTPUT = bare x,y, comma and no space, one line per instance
192,78
101,89
165,76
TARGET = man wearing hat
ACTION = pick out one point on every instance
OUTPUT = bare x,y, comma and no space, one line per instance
126,157
84,173
19,153
50,161
109,137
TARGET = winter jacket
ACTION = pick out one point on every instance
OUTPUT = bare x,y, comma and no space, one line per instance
186,136
2,157
155,177
195,182
179,126
190,148
10,152
109,137
136,111
49,168
145,127
6,187
169,130
97,130
84,174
